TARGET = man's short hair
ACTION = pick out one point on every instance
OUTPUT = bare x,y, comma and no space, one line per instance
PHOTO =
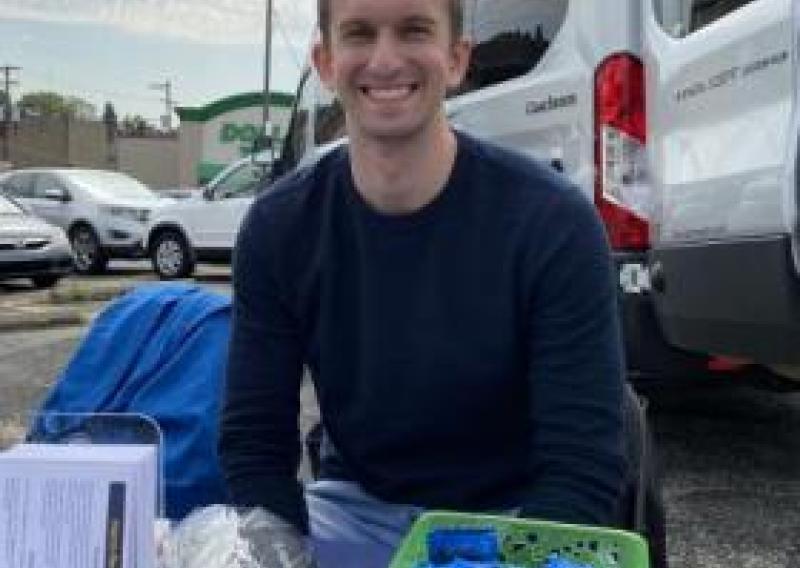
456,18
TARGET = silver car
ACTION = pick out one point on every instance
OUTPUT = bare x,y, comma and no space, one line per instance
103,212
31,248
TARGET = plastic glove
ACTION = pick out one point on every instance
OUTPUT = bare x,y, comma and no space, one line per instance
223,537
274,543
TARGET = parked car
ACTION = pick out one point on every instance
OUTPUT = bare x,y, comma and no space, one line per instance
203,227
31,248
104,213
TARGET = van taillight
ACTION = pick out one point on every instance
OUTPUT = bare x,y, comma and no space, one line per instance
622,190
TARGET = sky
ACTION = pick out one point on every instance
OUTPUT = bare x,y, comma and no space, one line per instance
116,50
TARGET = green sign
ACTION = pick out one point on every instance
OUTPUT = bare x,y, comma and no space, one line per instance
232,133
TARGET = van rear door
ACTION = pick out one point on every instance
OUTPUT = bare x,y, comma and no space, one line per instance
721,98
527,87
539,70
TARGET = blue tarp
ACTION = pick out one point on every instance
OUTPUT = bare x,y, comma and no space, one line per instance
159,350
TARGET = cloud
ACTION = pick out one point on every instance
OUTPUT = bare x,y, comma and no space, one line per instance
206,21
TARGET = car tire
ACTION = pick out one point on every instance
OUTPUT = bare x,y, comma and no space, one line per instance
89,255
171,256
45,280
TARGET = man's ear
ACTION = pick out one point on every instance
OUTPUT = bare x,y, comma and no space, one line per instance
323,63
460,54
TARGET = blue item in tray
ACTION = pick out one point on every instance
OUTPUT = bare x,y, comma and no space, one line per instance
556,561
472,544
466,564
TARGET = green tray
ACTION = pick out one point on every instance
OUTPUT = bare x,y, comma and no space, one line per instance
528,543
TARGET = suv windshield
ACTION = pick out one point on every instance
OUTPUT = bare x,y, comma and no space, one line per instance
241,181
112,184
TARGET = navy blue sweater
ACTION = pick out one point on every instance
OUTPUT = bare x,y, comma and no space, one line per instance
466,356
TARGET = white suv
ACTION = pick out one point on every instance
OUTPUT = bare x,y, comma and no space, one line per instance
204,227
103,212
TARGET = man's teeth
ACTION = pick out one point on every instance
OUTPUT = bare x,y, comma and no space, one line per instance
388,93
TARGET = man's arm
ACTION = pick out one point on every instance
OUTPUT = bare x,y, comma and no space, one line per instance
260,441
576,372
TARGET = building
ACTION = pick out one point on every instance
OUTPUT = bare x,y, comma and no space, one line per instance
212,136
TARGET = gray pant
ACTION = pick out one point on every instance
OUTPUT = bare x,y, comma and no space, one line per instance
352,529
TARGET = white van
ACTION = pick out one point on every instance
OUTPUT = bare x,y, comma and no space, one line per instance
677,118
723,120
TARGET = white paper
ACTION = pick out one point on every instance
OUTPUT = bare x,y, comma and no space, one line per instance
77,506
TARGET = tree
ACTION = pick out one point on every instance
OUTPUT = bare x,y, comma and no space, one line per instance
49,103
3,108
134,125
109,115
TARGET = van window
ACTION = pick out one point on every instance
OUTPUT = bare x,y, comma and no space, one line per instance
510,37
296,142
329,121
679,18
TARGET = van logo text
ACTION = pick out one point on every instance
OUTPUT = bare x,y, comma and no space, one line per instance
731,76
551,103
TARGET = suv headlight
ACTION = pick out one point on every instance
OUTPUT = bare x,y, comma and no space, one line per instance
59,237
132,213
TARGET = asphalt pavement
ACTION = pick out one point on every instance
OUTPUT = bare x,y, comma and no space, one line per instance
730,456
731,476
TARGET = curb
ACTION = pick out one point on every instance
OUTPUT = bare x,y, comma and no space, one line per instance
58,309
29,318
89,292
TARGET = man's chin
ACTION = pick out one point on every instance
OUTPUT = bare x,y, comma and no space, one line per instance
391,131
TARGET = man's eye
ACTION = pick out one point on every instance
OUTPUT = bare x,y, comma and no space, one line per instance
357,34
417,31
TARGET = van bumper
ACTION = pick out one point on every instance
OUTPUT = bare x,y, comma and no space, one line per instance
738,299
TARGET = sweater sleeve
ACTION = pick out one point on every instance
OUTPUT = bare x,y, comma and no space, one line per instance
575,371
260,440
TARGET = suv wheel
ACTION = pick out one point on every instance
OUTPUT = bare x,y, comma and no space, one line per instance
171,256
89,255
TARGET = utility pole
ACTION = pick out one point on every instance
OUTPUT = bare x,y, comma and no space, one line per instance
166,86
267,70
7,69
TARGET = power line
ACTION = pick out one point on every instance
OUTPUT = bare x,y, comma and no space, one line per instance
267,70
284,34
7,69
166,86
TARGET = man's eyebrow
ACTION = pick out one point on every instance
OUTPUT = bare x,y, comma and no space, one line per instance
411,20
419,20
353,23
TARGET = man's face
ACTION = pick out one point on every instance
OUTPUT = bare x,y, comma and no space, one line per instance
391,63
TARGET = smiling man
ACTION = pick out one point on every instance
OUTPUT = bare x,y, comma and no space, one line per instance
453,301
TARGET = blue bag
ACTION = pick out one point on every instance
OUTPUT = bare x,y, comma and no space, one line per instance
159,350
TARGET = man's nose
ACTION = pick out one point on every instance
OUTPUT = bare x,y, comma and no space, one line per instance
386,56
